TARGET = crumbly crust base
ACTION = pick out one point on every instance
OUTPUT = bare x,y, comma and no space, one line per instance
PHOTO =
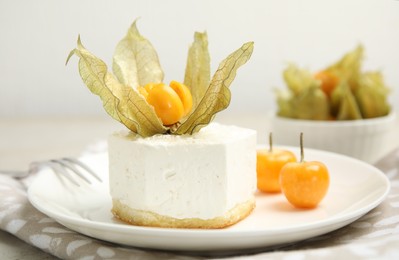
151,219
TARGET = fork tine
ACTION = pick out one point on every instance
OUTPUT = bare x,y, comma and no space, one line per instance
71,167
82,165
66,166
57,167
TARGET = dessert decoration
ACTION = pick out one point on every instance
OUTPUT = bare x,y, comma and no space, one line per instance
171,102
304,184
164,171
136,64
341,91
268,166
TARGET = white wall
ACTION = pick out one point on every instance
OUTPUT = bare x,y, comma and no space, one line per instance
36,37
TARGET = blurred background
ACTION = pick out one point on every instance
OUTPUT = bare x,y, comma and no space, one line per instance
36,37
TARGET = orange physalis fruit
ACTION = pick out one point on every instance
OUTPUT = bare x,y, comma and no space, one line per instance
171,103
185,95
328,81
304,184
268,166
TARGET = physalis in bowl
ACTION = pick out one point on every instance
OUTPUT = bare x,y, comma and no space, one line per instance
136,95
341,91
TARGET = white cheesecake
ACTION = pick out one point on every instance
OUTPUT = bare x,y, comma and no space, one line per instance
204,180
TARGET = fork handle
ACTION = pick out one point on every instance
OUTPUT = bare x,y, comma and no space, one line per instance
15,174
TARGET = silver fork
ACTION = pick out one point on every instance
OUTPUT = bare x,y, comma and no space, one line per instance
65,166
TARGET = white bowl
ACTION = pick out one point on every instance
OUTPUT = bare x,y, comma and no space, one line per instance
366,139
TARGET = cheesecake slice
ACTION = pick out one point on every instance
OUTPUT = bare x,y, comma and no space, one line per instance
204,180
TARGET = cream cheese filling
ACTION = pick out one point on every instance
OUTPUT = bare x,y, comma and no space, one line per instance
199,176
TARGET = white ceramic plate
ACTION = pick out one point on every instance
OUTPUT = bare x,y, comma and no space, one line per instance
355,189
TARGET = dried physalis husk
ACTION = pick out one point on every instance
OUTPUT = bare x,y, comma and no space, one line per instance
311,104
348,68
355,95
217,96
284,103
120,101
197,74
372,95
344,103
298,79
136,63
